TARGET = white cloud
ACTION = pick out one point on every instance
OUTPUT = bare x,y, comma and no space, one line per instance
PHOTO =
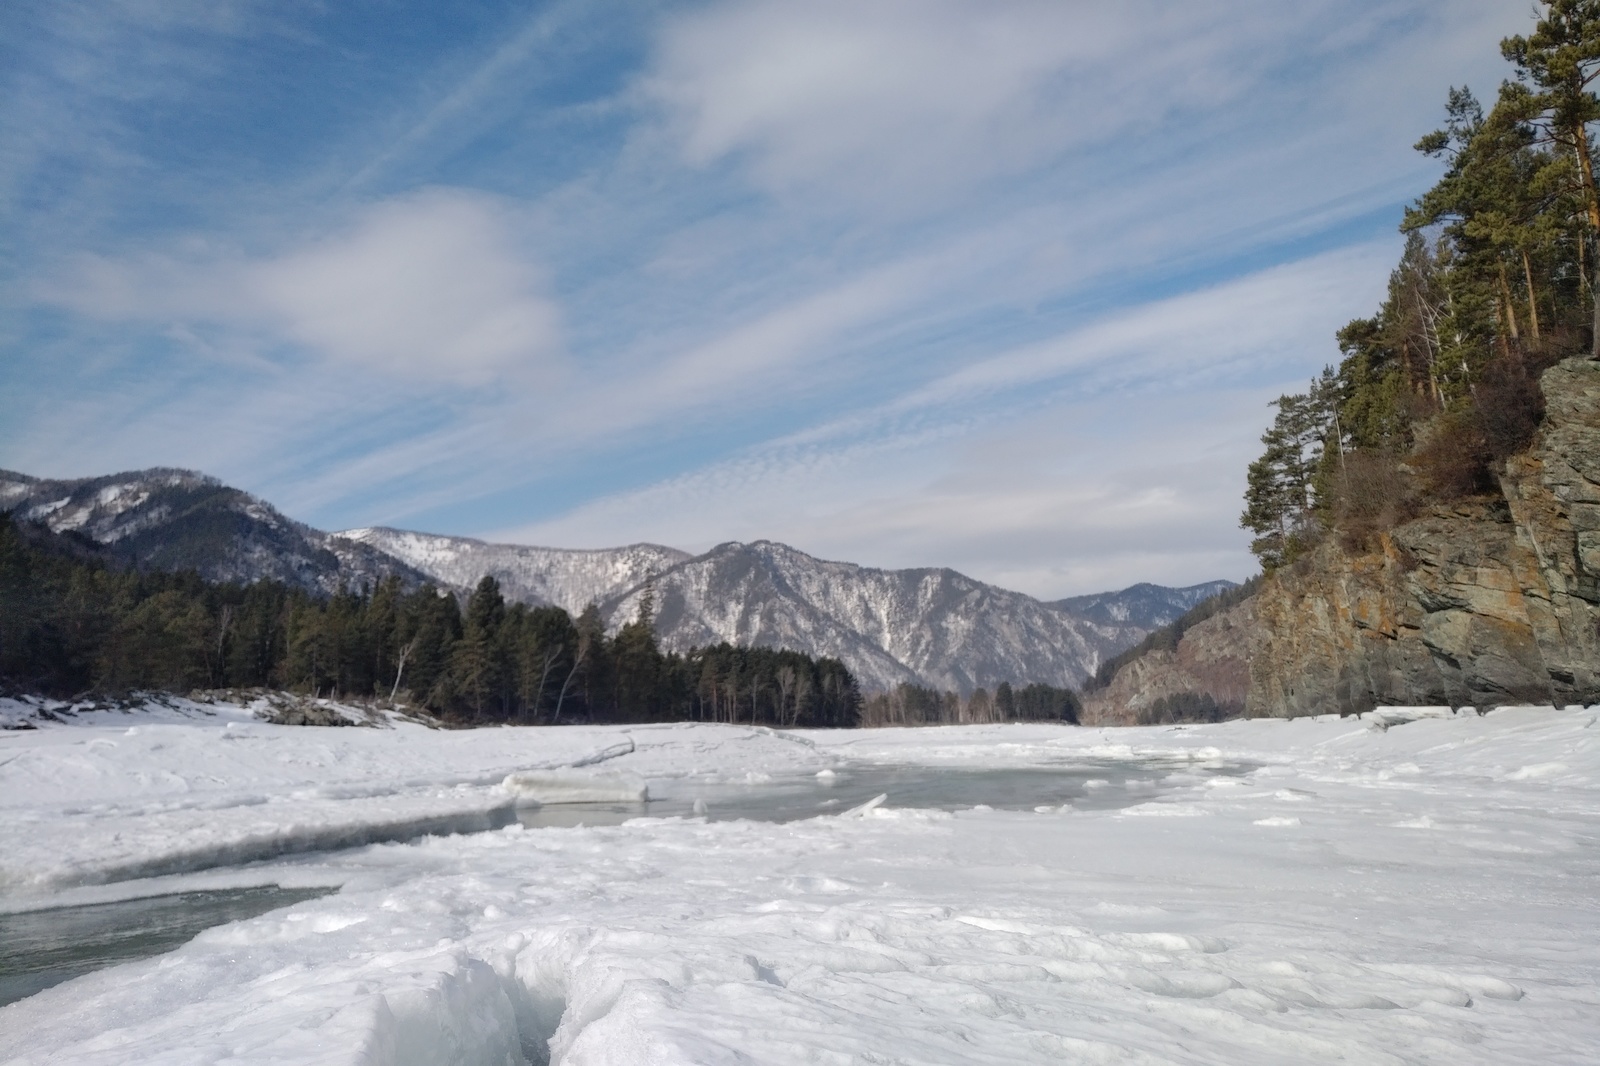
431,285
906,101
926,91
759,362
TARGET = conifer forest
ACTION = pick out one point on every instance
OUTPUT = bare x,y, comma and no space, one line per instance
74,622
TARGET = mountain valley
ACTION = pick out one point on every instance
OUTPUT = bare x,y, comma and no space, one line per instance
928,626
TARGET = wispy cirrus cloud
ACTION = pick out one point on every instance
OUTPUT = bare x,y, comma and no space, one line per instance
912,102
1017,468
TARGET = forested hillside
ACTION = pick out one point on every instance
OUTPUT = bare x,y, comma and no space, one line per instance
72,621
1496,284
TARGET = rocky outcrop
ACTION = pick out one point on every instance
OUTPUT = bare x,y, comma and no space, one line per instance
1483,602
1211,659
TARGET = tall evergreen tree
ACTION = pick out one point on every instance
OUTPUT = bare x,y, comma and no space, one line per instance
476,663
1280,500
1560,61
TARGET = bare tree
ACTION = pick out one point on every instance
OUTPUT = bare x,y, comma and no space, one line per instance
400,667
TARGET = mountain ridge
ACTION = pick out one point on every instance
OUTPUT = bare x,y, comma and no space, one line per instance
168,518
927,625
570,578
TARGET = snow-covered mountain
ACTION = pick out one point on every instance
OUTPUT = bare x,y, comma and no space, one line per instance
930,626
167,519
567,577
933,627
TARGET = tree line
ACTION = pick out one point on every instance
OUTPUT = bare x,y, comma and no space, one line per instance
1496,283
910,704
73,621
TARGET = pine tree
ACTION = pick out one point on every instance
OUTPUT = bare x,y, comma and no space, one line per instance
637,663
1560,60
475,664
1280,498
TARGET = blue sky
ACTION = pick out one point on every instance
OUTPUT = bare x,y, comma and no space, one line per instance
1003,285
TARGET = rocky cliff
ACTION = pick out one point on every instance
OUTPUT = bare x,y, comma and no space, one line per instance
1484,601
1490,600
1211,659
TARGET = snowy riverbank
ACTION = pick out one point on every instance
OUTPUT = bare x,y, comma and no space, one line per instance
1420,894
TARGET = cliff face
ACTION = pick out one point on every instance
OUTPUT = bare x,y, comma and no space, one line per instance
1211,659
1488,601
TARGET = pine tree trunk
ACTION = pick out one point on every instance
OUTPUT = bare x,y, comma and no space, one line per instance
1533,304
1510,305
1592,203
1583,266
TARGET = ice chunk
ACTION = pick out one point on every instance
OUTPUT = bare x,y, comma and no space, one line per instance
541,787
1384,717
871,805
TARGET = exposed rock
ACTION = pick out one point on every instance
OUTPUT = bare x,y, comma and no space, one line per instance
282,708
1212,658
1482,602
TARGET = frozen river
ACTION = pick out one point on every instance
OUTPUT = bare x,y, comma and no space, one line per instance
44,946
1388,891
785,798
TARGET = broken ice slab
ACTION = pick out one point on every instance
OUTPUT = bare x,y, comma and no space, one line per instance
540,787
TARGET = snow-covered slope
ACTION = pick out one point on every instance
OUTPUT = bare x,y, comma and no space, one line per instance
168,519
569,578
932,626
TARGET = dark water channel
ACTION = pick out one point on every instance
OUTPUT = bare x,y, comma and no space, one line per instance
45,947
41,948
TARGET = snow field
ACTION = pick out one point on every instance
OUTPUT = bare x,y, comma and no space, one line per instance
1422,893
